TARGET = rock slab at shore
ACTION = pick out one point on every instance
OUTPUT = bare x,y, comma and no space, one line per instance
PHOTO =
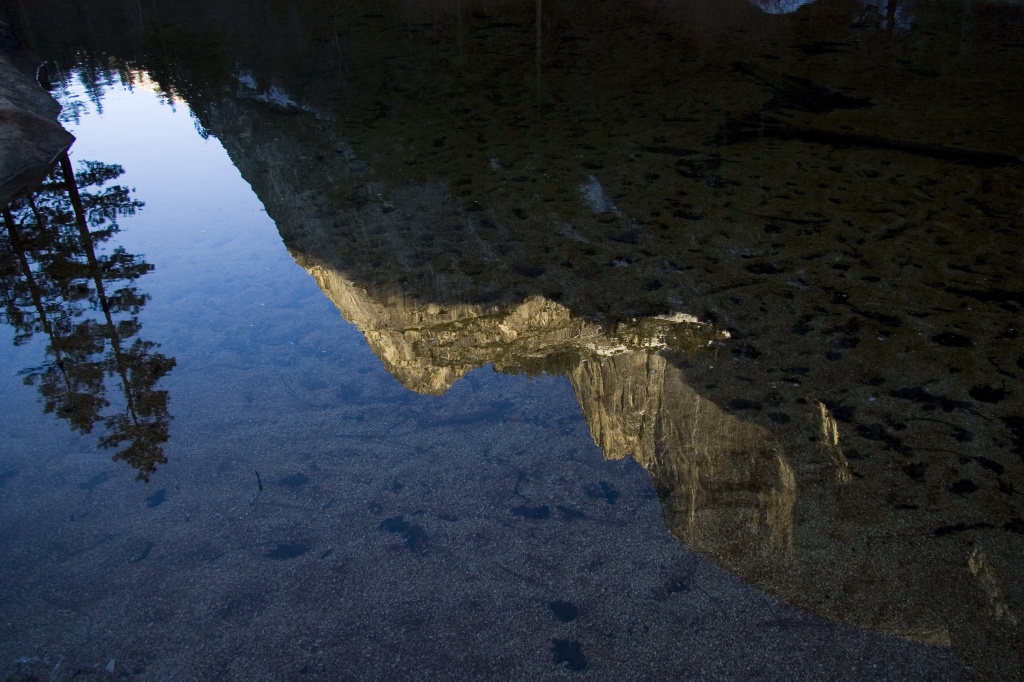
30,136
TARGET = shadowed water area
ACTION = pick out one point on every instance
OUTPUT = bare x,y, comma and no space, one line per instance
677,340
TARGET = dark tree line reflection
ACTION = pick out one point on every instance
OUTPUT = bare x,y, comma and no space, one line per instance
57,281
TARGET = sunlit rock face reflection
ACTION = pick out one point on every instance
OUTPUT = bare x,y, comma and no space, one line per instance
428,347
471,185
726,487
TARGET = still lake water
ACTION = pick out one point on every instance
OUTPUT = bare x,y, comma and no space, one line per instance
510,340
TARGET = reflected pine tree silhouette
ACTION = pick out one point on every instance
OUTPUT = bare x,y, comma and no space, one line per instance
53,281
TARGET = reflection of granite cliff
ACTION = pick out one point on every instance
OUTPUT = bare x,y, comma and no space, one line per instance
725,487
429,346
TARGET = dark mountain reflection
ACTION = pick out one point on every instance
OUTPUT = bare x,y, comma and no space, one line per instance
545,187
86,303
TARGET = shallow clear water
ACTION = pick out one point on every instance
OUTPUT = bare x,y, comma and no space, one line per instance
517,341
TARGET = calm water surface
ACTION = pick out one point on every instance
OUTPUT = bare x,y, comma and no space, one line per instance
510,340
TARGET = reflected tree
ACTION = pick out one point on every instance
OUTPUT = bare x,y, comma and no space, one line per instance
56,279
